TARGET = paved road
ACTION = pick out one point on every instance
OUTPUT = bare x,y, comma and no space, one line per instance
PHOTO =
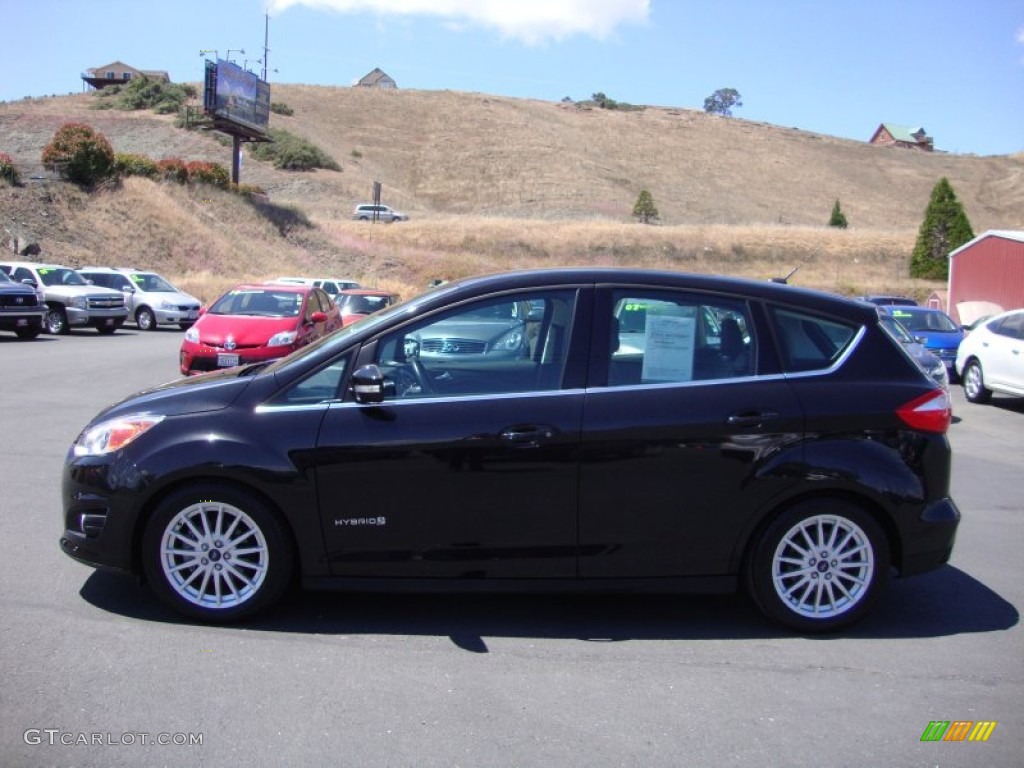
483,681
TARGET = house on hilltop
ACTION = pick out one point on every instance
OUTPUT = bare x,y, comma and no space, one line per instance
889,135
378,78
119,73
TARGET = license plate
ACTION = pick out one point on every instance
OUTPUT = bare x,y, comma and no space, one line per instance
109,321
225,360
21,323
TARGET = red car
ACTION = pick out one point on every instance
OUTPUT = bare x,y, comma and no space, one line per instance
357,303
253,323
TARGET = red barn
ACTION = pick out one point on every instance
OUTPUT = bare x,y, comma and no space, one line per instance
990,268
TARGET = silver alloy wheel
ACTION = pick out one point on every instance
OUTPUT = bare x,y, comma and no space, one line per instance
214,555
145,319
974,384
823,566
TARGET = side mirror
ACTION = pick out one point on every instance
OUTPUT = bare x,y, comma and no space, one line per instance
368,385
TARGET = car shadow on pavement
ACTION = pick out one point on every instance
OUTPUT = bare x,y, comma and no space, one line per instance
945,602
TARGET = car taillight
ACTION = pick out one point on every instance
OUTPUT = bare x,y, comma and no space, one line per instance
931,412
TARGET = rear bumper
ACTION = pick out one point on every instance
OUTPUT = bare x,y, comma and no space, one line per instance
932,544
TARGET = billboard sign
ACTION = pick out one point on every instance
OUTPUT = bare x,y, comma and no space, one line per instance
236,96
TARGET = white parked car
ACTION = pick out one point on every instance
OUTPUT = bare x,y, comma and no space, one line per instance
368,212
332,286
991,358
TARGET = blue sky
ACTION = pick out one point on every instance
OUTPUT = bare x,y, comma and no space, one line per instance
835,67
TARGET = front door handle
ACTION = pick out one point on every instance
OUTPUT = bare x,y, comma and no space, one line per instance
527,435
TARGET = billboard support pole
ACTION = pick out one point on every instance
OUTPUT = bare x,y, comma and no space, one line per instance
236,157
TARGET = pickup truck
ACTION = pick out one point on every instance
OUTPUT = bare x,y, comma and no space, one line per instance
70,301
20,309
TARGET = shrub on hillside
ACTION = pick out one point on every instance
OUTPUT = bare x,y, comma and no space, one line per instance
293,153
203,172
173,169
146,93
280,108
8,170
79,154
130,164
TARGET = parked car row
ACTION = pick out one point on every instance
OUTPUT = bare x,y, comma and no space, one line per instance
103,298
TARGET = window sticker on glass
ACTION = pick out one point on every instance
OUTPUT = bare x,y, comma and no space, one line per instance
669,348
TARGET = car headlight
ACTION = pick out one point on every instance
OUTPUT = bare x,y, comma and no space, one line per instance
192,335
113,434
282,339
168,305
79,302
938,372
510,342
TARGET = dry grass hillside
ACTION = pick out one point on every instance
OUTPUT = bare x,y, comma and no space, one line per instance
494,183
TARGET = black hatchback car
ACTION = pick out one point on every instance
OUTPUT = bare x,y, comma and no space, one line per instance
739,434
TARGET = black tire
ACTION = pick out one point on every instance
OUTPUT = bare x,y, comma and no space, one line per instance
232,553
26,334
974,383
820,566
56,320
145,319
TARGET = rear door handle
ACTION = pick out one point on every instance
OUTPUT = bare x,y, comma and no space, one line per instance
751,418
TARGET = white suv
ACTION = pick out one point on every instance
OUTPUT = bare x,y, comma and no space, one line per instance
370,212
151,300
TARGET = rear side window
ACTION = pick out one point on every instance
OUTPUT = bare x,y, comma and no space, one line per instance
659,336
808,342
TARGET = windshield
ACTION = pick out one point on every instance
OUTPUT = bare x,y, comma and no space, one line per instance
60,276
893,326
924,320
259,302
4,278
149,282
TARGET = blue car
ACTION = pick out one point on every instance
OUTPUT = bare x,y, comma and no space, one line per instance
933,328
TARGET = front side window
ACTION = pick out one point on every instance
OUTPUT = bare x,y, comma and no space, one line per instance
661,336
1011,326
495,346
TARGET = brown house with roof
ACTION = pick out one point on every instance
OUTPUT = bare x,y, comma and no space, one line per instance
377,79
889,135
119,73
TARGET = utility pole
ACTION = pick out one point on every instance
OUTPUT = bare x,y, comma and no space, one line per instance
266,38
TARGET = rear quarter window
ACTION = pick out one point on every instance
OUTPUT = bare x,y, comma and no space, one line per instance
809,342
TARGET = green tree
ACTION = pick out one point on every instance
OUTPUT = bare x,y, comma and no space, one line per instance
722,101
644,208
8,170
838,218
79,154
944,229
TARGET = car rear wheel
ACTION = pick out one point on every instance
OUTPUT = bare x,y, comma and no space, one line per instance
974,384
820,566
145,319
56,321
217,553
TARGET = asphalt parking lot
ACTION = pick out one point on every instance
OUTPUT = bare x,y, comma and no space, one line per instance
96,672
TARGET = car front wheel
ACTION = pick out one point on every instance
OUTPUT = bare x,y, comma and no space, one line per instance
217,553
820,566
145,319
56,321
974,384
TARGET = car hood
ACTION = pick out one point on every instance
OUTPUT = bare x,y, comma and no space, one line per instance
195,394
936,339
246,331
